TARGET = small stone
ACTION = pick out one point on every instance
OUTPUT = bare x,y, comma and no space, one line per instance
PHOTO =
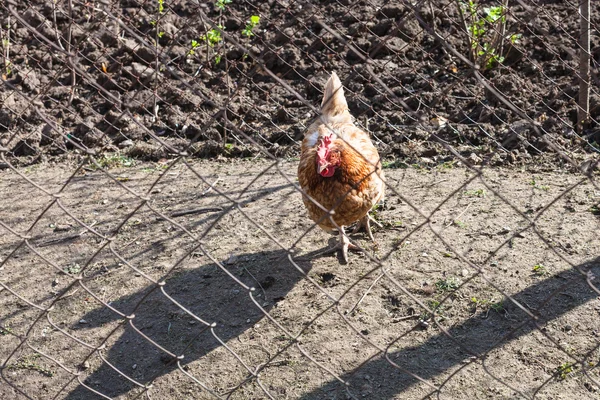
29,80
126,143
62,228
439,121
83,321
141,70
474,159
232,260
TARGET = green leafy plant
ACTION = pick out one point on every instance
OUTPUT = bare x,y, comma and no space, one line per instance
8,68
72,269
565,369
30,363
536,185
514,38
435,306
487,305
539,269
250,25
160,9
214,37
486,31
447,285
113,161
195,45
446,166
459,223
475,193
497,306
6,330
387,164
221,4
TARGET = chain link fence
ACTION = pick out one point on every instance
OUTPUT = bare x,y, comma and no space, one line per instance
154,242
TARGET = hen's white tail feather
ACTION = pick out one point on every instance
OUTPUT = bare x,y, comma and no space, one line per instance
334,107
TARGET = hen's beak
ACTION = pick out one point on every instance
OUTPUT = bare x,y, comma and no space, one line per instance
322,167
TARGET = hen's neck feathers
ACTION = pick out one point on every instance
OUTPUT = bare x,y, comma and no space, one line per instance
352,170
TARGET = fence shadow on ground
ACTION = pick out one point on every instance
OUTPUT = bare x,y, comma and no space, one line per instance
212,296
205,291
478,335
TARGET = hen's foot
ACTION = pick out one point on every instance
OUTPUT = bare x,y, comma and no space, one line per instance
366,223
342,244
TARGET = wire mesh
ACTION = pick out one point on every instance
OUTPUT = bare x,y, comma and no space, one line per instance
154,242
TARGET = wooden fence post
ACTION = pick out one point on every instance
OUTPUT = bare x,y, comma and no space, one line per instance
583,110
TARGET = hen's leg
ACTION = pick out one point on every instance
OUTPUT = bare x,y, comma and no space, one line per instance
343,244
366,223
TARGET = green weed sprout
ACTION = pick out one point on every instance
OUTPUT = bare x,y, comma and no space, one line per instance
486,32
539,269
221,4
213,37
564,370
192,50
250,25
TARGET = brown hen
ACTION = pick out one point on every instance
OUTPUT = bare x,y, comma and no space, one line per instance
339,169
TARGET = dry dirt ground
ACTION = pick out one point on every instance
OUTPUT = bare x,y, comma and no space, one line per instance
341,314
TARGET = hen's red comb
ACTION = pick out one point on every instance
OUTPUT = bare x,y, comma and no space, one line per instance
323,149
